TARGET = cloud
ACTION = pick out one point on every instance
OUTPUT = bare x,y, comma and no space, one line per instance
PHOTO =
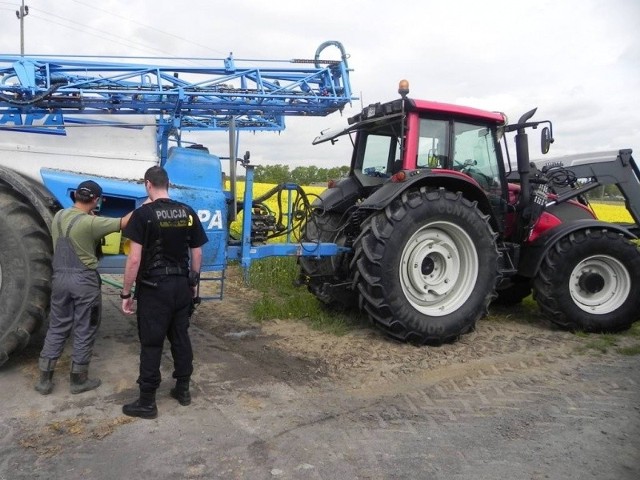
578,61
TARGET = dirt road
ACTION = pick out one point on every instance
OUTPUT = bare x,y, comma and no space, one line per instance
511,400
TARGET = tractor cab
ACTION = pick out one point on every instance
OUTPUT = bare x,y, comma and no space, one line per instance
429,143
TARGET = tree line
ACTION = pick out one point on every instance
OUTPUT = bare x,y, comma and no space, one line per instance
301,175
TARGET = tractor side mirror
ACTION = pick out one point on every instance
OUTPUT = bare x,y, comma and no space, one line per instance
545,140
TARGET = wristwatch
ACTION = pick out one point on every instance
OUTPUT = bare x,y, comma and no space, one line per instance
124,296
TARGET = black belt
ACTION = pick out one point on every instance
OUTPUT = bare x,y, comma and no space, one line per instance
163,271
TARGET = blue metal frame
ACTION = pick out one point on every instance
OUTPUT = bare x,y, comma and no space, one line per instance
245,253
42,93
186,98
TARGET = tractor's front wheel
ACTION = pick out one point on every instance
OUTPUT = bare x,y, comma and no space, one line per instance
589,281
427,266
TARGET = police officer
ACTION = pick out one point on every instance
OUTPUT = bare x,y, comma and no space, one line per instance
164,262
76,300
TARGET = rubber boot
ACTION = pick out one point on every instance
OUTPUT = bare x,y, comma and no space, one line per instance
143,407
80,381
46,366
181,392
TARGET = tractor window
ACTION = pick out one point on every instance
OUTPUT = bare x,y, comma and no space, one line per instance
475,155
380,153
433,144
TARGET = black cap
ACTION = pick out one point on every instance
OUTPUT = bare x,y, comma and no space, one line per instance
89,189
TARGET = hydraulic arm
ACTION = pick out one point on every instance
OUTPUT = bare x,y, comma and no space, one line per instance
621,171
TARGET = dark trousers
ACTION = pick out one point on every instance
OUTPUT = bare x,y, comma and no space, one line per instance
163,312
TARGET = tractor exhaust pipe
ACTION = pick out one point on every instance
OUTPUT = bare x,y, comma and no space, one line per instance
522,155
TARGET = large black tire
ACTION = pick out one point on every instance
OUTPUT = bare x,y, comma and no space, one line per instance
25,273
326,276
427,266
589,281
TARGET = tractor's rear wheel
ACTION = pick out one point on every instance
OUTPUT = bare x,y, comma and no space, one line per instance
427,266
328,278
589,281
25,273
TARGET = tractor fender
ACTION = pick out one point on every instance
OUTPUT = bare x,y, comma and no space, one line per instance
340,197
532,254
450,180
36,194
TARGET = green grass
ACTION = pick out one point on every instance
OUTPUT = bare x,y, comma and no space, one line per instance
267,274
629,351
633,332
282,299
606,342
601,343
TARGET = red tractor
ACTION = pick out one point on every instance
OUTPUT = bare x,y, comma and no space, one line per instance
436,225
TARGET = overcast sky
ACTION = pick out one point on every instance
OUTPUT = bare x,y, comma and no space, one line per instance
578,61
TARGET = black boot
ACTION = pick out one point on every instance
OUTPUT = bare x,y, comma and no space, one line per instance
80,381
181,392
144,407
46,366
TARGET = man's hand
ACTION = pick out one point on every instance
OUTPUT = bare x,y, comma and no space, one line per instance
128,306
194,303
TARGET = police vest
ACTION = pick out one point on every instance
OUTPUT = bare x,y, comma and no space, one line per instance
167,236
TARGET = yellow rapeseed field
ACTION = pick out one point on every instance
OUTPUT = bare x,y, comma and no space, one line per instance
610,212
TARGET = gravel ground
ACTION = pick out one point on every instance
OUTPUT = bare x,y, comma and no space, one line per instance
514,399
